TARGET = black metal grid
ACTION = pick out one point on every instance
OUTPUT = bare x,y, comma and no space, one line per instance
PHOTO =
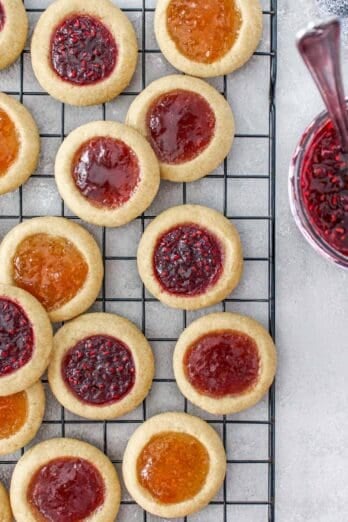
224,423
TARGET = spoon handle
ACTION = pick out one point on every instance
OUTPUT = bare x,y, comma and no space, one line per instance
319,46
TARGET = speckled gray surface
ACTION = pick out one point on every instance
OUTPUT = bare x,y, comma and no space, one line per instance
312,319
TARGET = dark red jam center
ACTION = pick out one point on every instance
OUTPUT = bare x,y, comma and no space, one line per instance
106,171
2,16
66,490
83,51
16,337
222,363
324,186
180,126
187,260
99,369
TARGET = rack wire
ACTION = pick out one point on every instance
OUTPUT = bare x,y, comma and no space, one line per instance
226,507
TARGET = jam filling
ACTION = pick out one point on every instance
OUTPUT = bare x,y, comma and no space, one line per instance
9,142
2,16
173,467
204,30
16,337
187,260
324,187
66,490
99,370
13,413
222,363
106,171
83,51
180,125
51,268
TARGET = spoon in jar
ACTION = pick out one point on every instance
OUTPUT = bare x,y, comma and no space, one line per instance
319,46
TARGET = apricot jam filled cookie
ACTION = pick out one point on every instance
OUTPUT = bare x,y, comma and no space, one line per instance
13,30
55,260
25,340
5,508
107,173
174,464
224,362
190,257
84,52
21,416
208,37
64,480
19,144
102,366
188,123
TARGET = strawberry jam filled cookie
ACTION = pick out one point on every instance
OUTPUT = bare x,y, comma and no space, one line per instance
190,257
25,340
208,37
102,366
64,480
13,30
224,362
188,123
5,508
21,416
19,144
55,260
107,173
84,52
174,464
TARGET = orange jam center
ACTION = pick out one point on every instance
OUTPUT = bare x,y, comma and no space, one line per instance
13,413
9,142
204,30
50,268
173,467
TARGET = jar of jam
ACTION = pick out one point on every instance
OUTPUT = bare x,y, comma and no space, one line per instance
318,190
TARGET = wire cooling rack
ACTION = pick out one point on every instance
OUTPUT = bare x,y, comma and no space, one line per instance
243,189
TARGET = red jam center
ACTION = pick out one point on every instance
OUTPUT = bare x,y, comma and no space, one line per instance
222,363
66,490
324,186
83,51
106,171
16,337
180,126
99,370
2,17
187,260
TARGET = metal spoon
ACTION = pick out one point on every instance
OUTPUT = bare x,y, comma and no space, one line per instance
319,46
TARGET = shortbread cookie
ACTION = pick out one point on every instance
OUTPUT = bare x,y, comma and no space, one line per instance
13,30
224,362
208,37
55,260
84,52
107,173
188,123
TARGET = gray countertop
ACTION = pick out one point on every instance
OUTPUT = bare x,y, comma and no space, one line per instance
312,312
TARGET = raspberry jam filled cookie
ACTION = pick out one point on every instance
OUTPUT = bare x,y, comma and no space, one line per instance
19,144
5,508
107,173
188,123
25,340
224,362
21,416
208,37
55,260
13,31
190,257
174,464
64,480
102,366
84,52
